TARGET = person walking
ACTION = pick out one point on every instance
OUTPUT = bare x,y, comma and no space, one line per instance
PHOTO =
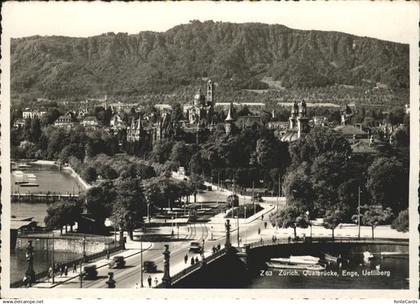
192,261
185,258
196,259
66,270
74,267
149,281
156,281
265,225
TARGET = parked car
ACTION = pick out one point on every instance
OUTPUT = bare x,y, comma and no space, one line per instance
90,272
117,262
149,266
195,247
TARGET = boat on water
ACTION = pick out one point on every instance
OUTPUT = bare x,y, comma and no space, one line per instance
25,180
285,266
392,254
315,267
330,258
23,166
304,259
296,262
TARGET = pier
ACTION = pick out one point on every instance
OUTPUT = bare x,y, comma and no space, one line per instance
41,197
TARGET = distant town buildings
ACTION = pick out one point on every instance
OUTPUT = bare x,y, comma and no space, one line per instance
31,113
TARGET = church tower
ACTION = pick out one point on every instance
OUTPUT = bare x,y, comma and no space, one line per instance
302,120
293,115
210,93
229,121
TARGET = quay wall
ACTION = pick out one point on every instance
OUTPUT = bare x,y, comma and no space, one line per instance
65,244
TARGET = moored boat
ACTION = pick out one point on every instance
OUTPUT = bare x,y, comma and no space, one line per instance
315,267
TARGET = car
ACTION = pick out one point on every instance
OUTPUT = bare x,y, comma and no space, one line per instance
90,272
117,262
149,266
195,247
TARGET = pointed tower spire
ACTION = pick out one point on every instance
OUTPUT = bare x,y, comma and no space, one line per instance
229,117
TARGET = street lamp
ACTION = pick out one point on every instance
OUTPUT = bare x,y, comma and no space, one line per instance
141,261
53,261
30,273
309,220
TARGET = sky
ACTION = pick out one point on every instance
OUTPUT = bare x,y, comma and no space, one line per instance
393,21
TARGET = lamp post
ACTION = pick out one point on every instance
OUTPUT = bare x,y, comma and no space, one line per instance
30,273
358,213
84,248
166,276
53,261
81,274
141,261
309,220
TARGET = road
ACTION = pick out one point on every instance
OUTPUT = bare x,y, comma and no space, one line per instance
128,276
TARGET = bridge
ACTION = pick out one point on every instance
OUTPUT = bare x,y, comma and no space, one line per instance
245,252
15,196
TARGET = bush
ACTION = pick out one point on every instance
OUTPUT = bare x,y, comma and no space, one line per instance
401,222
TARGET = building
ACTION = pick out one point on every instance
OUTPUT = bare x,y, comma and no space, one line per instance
90,122
298,123
65,121
135,131
229,121
116,123
30,113
201,110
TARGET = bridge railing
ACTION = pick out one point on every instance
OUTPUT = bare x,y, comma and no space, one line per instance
186,271
309,240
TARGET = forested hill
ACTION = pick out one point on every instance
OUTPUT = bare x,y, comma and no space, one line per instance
237,55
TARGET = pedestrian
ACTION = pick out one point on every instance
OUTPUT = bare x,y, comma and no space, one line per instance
261,241
149,281
262,217
61,270
265,225
74,267
289,239
196,259
156,281
218,246
192,260
66,270
259,230
185,258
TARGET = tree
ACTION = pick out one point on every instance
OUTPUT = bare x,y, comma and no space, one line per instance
232,201
89,174
317,142
376,215
387,183
333,218
129,206
100,200
63,214
298,189
290,217
35,129
401,223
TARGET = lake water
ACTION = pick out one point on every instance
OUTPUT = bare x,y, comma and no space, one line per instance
392,274
50,179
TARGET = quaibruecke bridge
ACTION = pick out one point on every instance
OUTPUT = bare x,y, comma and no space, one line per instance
224,263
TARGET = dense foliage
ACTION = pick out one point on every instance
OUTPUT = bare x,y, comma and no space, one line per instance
240,56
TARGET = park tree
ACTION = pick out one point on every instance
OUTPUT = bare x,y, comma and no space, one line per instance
401,223
290,217
100,200
89,174
375,215
332,218
129,206
298,189
35,131
161,151
387,183
319,141
63,214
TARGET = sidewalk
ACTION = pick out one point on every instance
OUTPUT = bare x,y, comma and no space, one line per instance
133,248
